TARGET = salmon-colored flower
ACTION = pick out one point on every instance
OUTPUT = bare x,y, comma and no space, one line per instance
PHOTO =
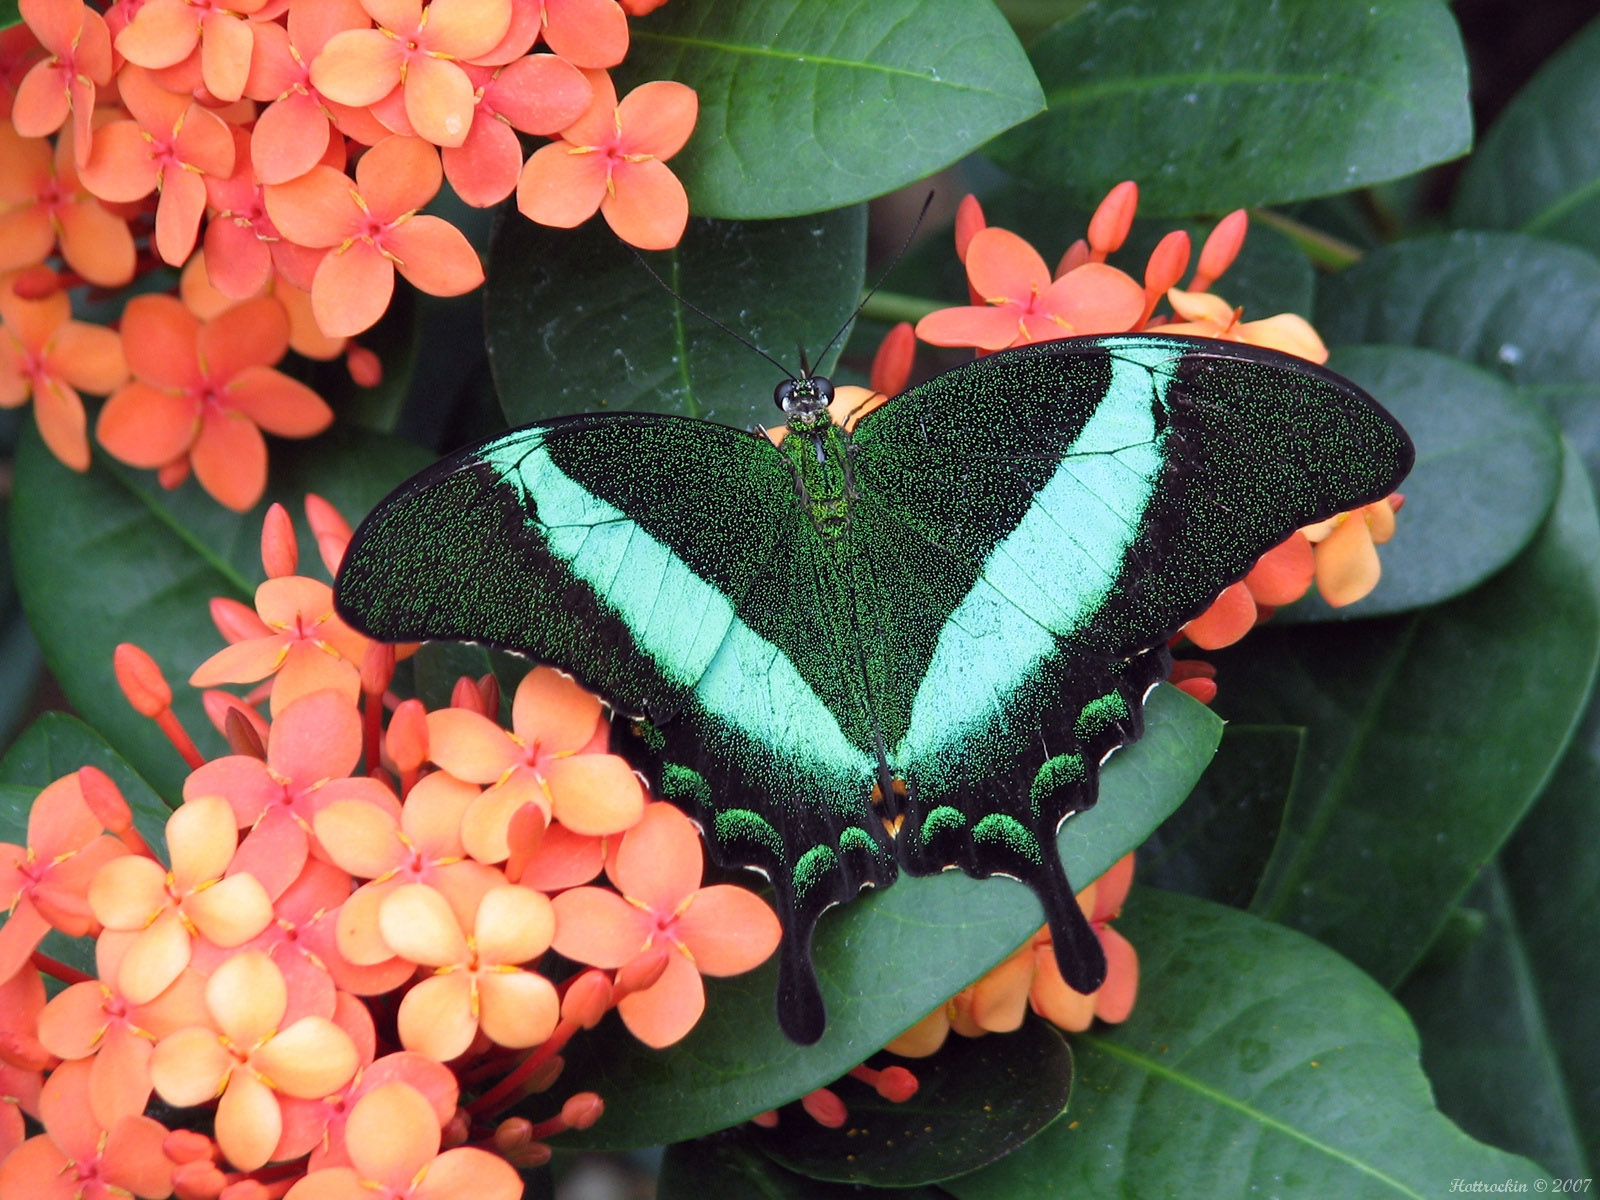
302,643
45,884
313,746
717,930
393,1137
587,33
80,1157
68,80
537,762
251,1058
1058,1003
242,246
46,355
613,158
417,49
1206,315
21,1002
329,1115
166,909
1022,304
203,391
1347,565
44,205
94,1020
477,981
292,132
171,144
539,94
163,33
373,229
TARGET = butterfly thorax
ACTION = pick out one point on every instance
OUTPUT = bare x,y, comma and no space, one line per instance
824,484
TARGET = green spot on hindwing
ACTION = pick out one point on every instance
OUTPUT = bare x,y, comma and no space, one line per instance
740,826
652,736
1008,832
814,866
941,819
856,838
1064,770
1099,715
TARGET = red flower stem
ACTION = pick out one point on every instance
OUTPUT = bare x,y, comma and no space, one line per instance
59,970
864,1073
372,729
506,1091
167,721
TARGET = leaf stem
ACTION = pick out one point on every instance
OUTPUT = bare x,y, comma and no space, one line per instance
1323,249
892,307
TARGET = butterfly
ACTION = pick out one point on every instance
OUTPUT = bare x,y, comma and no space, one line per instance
907,645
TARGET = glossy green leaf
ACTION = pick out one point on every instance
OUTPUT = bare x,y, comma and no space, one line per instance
1213,106
806,106
1486,1044
1538,168
1488,462
576,324
977,1100
1428,737
18,649
1218,843
884,961
1257,1062
1519,306
57,744
1552,873
727,1165
109,557
9,14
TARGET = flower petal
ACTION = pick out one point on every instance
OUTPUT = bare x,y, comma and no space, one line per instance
254,333
249,1121
146,427
517,1008
657,118
247,997
358,67
311,1058
513,925
392,1134
728,929
554,711
665,1011
351,290
160,338
595,794
598,927
647,207
435,256
419,925
660,861
230,459
436,1017
359,837
439,100
469,745
188,1067
560,186
231,911
279,405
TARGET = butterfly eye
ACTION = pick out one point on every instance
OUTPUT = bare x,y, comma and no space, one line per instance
783,393
823,388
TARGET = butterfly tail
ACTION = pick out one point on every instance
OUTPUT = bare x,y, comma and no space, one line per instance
1079,955
801,1013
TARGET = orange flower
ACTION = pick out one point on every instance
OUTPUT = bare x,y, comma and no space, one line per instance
539,94
165,909
373,229
416,49
393,1137
164,33
329,1115
303,643
613,158
1347,565
717,930
94,1020
552,720
48,356
203,392
80,1156
45,883
21,1002
1052,998
171,144
43,203
67,81
1205,315
587,33
313,746
1022,304
476,981
250,1058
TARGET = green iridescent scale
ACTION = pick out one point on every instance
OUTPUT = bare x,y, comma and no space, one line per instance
906,647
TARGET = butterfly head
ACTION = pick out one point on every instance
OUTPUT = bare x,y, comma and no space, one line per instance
804,401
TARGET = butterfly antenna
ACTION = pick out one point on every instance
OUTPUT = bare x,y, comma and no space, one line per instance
894,262
704,315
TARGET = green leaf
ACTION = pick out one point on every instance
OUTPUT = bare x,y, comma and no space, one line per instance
1213,106
1538,168
884,961
1218,843
806,106
56,745
978,1099
10,14
1428,737
1488,462
727,1165
110,557
1257,1062
1518,306
1552,872
574,323
1486,1041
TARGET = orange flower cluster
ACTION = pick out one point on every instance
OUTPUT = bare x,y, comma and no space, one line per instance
1017,300
344,949
283,150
